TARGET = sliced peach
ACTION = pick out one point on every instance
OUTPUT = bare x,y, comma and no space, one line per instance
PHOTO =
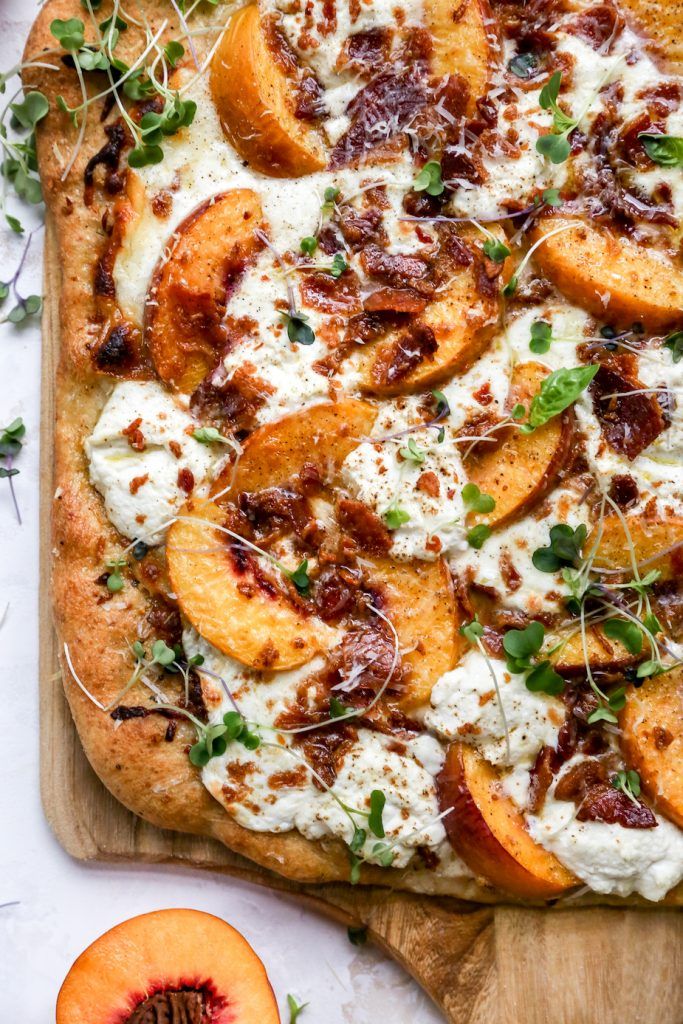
170,965
419,600
657,544
462,320
186,302
254,87
601,652
464,42
652,740
661,23
234,599
521,468
612,277
488,831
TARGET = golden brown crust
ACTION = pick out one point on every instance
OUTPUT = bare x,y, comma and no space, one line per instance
150,776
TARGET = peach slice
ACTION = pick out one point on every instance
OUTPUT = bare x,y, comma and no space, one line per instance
171,965
488,831
186,301
233,598
610,276
521,468
657,544
604,654
652,740
464,41
463,321
419,600
254,85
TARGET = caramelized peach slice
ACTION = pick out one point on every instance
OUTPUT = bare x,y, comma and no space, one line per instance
234,598
254,87
186,302
171,965
322,435
419,600
521,468
662,24
488,831
657,544
610,276
602,653
460,322
652,740
464,42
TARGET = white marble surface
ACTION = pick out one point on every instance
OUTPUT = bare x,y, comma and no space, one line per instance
64,905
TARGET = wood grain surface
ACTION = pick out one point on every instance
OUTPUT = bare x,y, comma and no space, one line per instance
481,965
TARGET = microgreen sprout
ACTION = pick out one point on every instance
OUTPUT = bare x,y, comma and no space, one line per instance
295,1009
11,441
330,196
476,501
308,245
555,146
523,65
337,709
300,577
478,535
674,342
665,150
114,578
412,453
24,307
299,331
214,739
629,784
558,391
541,336
496,250
394,516
564,549
521,646
429,179
339,265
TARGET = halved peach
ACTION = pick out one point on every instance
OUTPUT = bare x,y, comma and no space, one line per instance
234,598
657,544
254,86
462,320
652,740
521,468
611,276
419,600
170,965
463,41
186,302
602,653
488,831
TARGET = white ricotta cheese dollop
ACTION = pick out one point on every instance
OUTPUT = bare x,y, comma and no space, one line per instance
138,476
610,858
465,707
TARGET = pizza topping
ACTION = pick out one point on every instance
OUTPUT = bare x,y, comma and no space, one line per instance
630,415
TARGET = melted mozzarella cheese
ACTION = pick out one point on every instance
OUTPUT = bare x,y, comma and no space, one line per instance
610,858
465,707
140,488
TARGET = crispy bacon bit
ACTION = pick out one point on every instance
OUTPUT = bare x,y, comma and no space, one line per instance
398,270
416,344
310,477
589,786
108,156
275,508
483,394
428,483
136,439
511,577
366,528
541,776
137,482
628,423
291,779
330,294
397,300
329,240
380,111
335,594
325,748
597,25
364,52
623,490
186,480
309,99
360,227
163,622
231,403
662,737
176,450
454,95
162,204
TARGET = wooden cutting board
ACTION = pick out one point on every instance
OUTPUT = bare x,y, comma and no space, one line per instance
481,965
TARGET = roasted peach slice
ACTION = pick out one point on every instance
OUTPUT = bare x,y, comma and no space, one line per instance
254,87
488,831
657,544
464,41
419,600
612,277
652,740
186,301
521,468
233,598
602,653
170,965
231,595
446,339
